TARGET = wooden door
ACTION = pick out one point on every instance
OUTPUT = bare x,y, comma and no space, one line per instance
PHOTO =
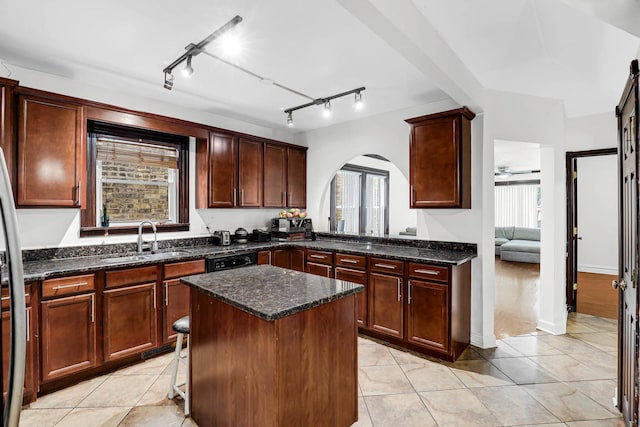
275,175
51,153
296,257
68,335
297,178
223,172
360,277
428,314
30,390
385,304
250,173
6,125
130,323
176,305
264,257
280,258
627,324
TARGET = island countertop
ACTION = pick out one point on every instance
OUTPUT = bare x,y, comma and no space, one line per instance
270,292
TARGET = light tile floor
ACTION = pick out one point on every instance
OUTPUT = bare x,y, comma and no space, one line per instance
534,379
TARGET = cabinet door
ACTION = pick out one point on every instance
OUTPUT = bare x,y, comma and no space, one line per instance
250,173
264,257
68,335
280,258
319,269
51,153
176,305
222,170
130,324
385,304
359,277
29,391
275,175
428,319
296,178
7,125
296,257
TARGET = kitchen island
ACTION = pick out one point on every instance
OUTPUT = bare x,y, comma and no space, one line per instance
272,347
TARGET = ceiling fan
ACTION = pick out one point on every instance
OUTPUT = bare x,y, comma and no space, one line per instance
506,172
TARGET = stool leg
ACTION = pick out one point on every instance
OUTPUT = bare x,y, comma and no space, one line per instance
187,396
174,371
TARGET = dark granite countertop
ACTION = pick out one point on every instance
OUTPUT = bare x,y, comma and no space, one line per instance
271,292
441,253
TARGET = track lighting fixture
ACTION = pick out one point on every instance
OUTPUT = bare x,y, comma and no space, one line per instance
196,49
326,101
290,119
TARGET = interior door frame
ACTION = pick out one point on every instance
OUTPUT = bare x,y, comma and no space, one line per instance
572,218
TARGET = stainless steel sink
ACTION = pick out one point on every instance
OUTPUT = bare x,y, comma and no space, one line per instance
145,257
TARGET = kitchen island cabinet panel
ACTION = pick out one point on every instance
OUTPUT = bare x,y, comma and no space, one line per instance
68,335
385,304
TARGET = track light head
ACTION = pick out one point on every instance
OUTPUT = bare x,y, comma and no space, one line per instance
188,69
358,101
168,81
327,109
290,119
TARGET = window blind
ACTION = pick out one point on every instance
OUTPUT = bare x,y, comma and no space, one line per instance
118,151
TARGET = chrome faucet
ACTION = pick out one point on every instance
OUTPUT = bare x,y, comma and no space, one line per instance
141,243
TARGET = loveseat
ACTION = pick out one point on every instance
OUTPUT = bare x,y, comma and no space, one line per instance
518,244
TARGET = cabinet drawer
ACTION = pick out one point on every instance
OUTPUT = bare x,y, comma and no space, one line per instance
351,261
5,297
388,266
131,276
319,269
179,269
67,285
319,257
429,272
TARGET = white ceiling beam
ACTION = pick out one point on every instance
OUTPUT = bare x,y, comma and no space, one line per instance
623,14
405,29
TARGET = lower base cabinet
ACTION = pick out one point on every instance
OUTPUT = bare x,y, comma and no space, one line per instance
385,304
67,335
359,277
176,294
428,314
291,258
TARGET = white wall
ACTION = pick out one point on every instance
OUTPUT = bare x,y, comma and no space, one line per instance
400,216
44,228
592,132
598,214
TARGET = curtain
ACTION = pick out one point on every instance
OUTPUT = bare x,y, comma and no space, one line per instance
348,201
517,205
375,204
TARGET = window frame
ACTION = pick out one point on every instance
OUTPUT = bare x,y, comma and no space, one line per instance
364,171
88,218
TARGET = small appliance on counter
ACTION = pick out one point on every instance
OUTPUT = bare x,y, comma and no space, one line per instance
292,229
221,238
241,235
260,235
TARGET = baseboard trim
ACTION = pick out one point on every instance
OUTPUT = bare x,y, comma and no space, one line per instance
552,328
598,269
478,340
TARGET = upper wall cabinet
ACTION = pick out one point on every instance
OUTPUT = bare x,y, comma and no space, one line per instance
51,152
440,160
217,171
285,176
6,125
250,173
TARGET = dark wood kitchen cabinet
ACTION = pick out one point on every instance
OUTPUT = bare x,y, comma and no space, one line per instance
6,125
51,152
217,171
292,258
176,294
68,326
250,163
352,268
129,312
297,177
440,160
285,176
264,257
30,376
386,296
319,263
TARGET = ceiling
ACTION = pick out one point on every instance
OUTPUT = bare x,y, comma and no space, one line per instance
543,47
516,157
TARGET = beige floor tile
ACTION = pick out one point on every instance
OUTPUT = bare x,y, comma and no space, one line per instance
154,416
566,402
188,422
569,344
410,358
365,340
42,417
182,370
513,406
601,324
148,367
614,422
405,410
531,346
103,417
522,370
544,425
567,368
470,353
374,355
605,341
376,380
501,350
157,393
608,362
479,373
458,408
602,391
431,376
119,390
364,420
69,397
577,327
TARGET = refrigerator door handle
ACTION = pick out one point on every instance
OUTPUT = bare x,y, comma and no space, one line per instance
18,344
